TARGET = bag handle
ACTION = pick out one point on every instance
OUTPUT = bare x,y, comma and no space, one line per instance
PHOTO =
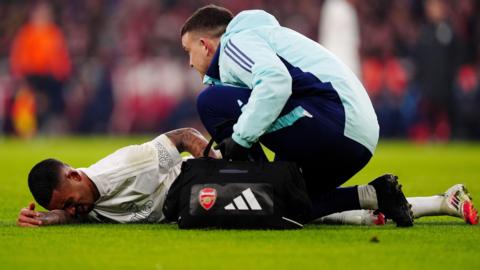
256,148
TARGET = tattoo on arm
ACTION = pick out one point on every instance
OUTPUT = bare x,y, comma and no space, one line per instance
55,217
189,140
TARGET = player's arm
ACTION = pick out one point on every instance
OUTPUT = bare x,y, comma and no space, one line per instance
28,217
190,140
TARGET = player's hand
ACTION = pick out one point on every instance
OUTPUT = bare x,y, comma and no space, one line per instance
231,150
28,217
215,154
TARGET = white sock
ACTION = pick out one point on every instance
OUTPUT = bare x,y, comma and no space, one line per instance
346,217
427,206
352,217
367,196
335,219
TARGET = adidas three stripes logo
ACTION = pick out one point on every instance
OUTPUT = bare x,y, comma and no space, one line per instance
245,201
238,56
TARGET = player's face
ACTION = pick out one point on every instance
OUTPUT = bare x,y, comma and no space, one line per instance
200,51
73,194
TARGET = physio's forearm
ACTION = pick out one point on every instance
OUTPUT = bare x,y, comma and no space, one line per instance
270,94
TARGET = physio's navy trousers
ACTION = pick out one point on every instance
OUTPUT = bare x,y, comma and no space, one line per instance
317,144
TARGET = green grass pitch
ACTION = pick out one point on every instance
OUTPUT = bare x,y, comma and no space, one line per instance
433,243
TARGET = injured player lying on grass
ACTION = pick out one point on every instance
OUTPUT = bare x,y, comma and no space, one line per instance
130,185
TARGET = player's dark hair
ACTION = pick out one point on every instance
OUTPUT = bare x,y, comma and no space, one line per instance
211,18
43,179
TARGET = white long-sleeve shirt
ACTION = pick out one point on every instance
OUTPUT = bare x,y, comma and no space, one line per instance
133,181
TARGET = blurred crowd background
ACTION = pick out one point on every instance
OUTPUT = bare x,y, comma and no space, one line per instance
118,67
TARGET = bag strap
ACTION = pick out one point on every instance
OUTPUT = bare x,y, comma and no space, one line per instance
218,129
206,151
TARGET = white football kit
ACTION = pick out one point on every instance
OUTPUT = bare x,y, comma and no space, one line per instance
133,181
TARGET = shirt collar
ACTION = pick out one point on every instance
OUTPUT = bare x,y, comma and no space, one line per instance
101,186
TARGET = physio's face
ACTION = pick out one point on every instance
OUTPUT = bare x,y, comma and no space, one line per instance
200,51
73,193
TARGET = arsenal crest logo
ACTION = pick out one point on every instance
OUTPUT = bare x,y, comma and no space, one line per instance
207,197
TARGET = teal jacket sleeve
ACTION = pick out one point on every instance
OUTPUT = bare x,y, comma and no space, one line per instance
249,60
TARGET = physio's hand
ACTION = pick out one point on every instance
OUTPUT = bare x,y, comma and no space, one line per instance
232,150
28,217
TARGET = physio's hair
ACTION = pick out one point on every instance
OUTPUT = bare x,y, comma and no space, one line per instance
211,19
43,179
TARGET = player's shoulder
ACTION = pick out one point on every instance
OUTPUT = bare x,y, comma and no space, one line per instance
125,158
166,151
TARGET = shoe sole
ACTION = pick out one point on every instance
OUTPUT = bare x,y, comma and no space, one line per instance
380,220
470,213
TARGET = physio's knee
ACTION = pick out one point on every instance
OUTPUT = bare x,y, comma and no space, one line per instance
205,101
